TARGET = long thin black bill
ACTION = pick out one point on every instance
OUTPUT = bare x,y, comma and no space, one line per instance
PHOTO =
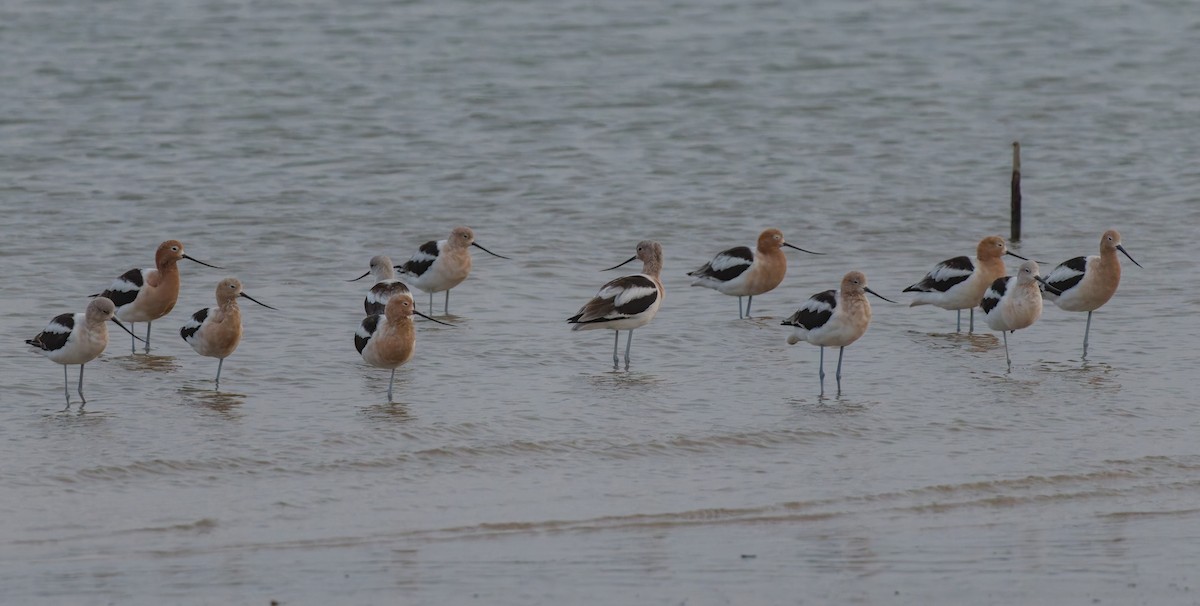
126,329
360,277
415,312
201,262
878,295
801,249
1122,249
257,301
476,245
1054,291
1007,252
621,263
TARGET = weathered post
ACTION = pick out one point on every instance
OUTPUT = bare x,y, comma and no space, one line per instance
1016,193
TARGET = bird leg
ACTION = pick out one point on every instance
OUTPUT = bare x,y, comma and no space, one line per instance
616,340
841,351
1006,358
628,344
80,386
821,369
1086,331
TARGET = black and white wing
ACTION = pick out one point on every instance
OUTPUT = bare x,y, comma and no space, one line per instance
727,265
423,260
188,332
621,298
125,289
944,275
815,312
54,336
1067,274
365,331
994,293
378,296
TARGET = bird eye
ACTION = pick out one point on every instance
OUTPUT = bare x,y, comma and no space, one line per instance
175,248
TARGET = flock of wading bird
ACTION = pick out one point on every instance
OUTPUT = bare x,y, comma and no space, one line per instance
386,337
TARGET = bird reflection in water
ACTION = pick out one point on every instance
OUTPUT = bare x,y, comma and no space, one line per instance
393,412
148,363
226,403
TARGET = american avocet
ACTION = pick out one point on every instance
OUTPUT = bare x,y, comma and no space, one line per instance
959,284
145,295
77,338
386,285
1014,302
387,341
834,318
215,332
442,265
627,302
1087,283
741,271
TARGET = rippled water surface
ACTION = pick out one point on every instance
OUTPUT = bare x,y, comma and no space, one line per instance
290,141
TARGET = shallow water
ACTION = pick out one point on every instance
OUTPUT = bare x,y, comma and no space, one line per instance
289,142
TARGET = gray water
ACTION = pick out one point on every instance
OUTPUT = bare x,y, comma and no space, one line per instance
290,141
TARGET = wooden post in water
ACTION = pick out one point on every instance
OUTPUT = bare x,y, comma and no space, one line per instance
1016,193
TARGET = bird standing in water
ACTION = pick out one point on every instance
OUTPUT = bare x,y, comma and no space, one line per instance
959,283
628,302
834,318
145,295
78,339
1087,283
1015,302
215,332
740,271
442,265
388,340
